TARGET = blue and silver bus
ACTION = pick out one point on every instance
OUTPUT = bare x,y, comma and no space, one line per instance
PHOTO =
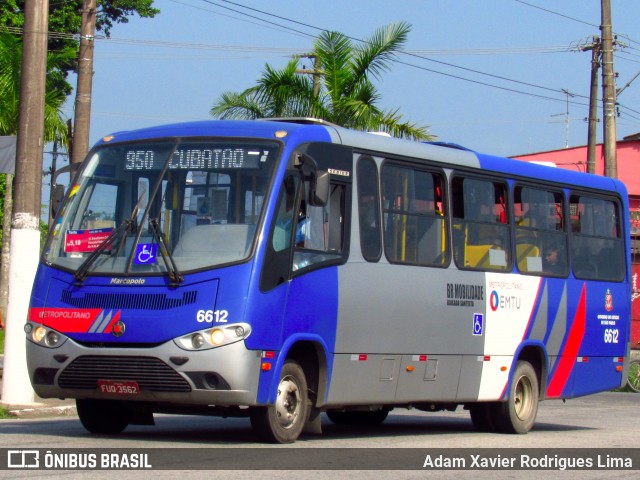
278,269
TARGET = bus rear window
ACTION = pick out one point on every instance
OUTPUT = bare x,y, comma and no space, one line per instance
596,243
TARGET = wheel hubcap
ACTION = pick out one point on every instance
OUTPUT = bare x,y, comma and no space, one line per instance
288,402
523,398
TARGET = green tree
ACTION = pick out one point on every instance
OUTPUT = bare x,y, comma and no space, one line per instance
65,17
340,90
10,74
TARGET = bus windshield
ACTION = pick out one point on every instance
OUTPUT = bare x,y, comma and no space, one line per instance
163,207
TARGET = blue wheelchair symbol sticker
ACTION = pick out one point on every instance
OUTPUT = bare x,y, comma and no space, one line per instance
478,324
146,253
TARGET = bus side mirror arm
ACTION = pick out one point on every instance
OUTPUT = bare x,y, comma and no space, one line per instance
57,197
57,192
318,179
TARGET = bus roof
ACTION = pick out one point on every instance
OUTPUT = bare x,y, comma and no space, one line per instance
315,130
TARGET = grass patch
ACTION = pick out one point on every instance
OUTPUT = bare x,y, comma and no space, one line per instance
2,342
4,413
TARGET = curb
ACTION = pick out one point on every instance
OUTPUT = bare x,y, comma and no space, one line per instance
41,411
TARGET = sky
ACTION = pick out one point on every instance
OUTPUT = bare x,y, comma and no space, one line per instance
492,75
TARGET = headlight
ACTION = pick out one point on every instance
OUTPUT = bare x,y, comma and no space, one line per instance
197,341
44,336
214,337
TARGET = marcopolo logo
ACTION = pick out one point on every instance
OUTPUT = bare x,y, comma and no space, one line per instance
127,281
497,301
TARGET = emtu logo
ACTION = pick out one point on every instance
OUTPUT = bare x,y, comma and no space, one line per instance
494,301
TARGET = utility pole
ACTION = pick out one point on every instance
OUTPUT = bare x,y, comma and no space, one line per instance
315,72
593,104
25,221
80,145
608,93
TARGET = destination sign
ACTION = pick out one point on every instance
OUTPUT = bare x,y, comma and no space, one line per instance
190,158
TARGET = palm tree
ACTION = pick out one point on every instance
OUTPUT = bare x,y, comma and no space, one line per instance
341,90
10,73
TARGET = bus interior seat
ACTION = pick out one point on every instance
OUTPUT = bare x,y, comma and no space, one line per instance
477,255
525,252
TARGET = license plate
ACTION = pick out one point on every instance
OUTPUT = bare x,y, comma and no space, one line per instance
118,387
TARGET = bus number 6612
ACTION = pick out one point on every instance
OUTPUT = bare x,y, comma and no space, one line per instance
212,316
611,335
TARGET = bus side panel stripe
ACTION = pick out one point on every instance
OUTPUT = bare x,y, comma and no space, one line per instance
572,346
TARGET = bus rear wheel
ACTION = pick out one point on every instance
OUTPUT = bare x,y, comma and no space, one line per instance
283,421
365,419
518,413
102,416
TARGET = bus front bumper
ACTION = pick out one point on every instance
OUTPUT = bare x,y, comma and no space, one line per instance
225,376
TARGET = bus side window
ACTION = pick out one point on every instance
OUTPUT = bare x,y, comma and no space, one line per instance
480,224
596,243
369,210
414,221
540,233
276,267
320,230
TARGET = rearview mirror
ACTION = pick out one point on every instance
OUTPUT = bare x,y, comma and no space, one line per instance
319,194
318,179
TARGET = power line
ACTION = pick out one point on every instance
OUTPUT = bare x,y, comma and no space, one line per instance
478,72
296,51
573,19
557,13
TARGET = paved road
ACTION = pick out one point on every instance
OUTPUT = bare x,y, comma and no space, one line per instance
608,420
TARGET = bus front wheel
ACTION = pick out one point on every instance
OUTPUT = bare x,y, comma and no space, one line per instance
518,413
102,416
283,421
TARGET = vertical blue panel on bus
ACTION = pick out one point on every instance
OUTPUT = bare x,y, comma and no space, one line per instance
310,314
312,306
604,342
585,360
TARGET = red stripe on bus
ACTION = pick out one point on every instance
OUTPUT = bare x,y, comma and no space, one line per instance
567,357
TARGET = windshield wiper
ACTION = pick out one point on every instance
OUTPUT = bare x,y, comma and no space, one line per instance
126,226
170,264
129,225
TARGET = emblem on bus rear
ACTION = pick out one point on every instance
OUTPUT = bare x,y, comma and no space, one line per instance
118,329
608,301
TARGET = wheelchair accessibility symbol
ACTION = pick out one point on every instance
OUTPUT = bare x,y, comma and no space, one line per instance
478,324
146,253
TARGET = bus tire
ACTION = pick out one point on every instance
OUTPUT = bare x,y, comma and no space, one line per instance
283,421
482,415
363,419
518,413
102,416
